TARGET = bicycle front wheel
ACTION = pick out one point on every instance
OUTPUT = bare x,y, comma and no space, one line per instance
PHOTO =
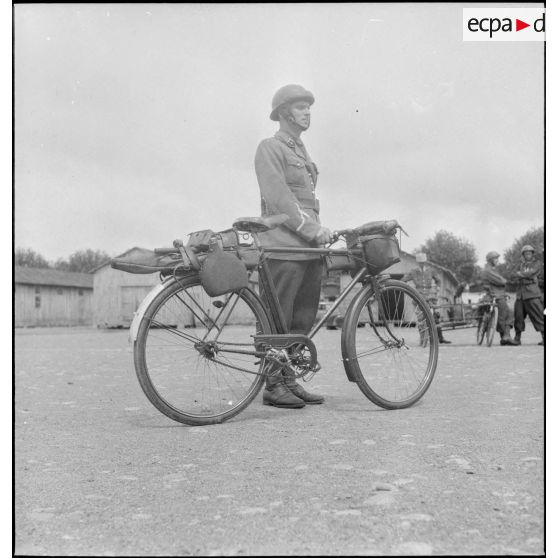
491,326
194,354
393,359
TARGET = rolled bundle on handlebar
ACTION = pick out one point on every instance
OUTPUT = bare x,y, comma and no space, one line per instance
377,227
373,227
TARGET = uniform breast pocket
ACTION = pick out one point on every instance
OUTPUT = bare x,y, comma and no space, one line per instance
295,172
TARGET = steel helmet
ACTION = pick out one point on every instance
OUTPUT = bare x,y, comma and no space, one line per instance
527,248
288,94
491,255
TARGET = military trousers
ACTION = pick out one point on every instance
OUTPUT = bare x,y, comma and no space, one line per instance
505,316
531,307
298,284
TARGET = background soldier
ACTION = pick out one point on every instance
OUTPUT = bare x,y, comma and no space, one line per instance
427,283
529,300
287,179
495,285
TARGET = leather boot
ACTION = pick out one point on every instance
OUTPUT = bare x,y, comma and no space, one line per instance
441,338
543,339
277,394
517,338
301,393
506,339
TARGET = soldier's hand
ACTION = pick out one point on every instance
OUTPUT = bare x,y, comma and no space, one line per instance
323,236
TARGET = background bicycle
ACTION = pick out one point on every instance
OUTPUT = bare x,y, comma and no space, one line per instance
481,316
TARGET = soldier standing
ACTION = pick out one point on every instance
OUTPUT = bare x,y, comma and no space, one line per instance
495,285
427,284
529,296
287,179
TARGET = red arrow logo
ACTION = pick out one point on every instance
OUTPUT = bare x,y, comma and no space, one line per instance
519,25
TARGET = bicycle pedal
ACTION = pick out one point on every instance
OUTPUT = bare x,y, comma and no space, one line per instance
312,373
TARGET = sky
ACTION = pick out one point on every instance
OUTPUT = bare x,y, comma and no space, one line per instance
136,124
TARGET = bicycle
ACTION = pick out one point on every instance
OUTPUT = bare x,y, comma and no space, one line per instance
482,316
202,358
487,321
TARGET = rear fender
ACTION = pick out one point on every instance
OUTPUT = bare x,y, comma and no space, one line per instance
140,312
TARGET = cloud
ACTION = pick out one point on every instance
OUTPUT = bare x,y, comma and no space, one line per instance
137,128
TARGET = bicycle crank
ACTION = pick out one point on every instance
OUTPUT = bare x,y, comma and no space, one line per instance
294,353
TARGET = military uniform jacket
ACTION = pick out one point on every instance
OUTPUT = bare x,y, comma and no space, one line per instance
425,280
528,280
492,281
287,178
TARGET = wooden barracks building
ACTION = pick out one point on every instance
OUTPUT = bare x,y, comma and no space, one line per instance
49,297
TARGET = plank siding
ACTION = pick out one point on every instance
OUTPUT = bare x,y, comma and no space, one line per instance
45,305
117,294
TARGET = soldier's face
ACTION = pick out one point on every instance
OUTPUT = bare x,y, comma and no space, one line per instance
300,111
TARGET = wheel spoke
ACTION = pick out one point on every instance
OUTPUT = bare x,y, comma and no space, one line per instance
190,375
396,357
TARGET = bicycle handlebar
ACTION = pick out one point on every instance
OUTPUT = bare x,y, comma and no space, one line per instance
258,223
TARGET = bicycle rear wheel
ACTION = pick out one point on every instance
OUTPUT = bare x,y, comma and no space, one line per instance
491,325
394,359
194,354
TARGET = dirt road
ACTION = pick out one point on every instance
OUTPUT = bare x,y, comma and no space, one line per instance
100,471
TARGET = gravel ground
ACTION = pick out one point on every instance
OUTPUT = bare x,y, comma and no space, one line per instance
99,471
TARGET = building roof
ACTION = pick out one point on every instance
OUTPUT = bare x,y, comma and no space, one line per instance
54,277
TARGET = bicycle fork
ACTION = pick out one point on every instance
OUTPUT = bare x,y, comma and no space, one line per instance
383,319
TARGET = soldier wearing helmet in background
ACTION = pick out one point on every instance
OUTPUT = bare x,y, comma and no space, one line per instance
495,284
427,283
529,299
287,179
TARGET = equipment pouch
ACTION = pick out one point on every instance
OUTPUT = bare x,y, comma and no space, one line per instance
222,272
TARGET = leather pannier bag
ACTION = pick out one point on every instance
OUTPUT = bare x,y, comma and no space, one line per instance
250,257
380,251
199,241
228,239
222,272
340,262
140,260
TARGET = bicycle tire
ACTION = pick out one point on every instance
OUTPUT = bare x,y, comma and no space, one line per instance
481,328
399,375
491,326
184,381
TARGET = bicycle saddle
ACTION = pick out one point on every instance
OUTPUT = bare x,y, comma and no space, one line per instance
259,224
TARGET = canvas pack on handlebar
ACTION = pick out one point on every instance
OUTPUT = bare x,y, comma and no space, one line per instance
373,227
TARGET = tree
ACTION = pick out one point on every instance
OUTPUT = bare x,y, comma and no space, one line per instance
27,257
534,237
83,261
456,254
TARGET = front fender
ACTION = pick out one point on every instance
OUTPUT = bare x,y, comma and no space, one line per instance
140,312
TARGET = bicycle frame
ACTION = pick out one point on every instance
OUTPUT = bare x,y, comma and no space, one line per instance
270,293
195,382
